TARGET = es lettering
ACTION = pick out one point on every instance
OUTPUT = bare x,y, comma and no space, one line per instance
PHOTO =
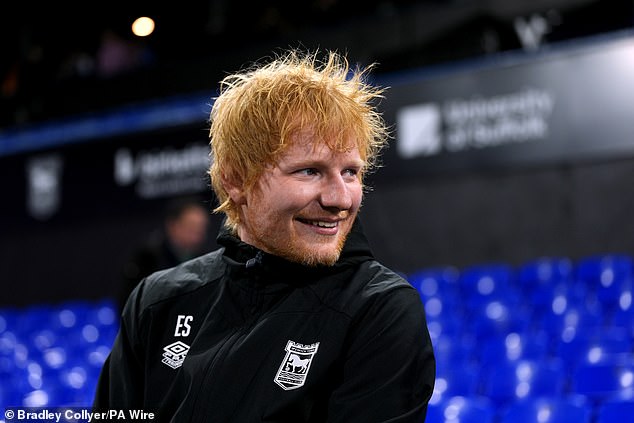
183,325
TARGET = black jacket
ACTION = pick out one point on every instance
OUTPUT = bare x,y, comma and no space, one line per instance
239,335
156,253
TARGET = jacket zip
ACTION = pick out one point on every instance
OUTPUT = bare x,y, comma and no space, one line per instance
222,353
209,371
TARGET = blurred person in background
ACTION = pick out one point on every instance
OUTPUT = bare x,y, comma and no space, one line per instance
292,319
183,236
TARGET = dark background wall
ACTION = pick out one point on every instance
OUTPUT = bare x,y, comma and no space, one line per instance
570,210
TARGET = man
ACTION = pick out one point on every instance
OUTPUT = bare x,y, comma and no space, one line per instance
182,236
292,320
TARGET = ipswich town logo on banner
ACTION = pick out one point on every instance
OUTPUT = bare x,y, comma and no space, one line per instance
294,368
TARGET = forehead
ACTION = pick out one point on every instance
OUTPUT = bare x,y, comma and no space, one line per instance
307,144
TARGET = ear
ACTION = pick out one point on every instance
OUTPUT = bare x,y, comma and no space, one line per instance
234,187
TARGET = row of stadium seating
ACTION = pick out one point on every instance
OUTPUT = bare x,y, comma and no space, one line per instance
548,341
52,354
572,409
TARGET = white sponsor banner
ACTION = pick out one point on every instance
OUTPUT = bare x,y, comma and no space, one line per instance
560,105
165,171
459,124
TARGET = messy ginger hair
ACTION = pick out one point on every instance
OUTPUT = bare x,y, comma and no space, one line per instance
260,110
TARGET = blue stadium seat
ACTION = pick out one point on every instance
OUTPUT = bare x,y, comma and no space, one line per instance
8,318
512,381
481,283
497,317
8,395
591,345
446,325
438,290
55,358
461,409
539,279
616,410
52,354
607,275
40,398
544,270
104,315
33,318
607,376
436,281
69,315
623,314
95,357
443,315
450,350
565,320
462,379
439,285
548,410
76,383
512,347
43,339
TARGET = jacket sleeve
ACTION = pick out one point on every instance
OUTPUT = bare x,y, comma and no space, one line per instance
120,384
389,370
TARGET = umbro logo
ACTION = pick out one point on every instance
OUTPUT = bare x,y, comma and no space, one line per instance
174,354
295,365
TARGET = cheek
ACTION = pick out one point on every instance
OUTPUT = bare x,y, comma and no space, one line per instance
276,205
294,198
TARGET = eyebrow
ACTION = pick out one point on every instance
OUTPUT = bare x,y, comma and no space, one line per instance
310,162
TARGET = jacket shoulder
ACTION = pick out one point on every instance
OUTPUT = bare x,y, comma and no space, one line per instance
382,278
372,284
179,280
374,279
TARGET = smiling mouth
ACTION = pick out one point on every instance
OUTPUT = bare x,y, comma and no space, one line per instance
319,223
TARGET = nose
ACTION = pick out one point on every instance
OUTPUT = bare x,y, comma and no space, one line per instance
335,194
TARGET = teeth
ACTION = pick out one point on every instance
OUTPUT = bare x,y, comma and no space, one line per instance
324,224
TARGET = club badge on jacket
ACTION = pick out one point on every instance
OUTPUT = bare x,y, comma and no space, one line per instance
295,366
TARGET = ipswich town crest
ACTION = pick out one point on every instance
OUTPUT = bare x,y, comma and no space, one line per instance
294,368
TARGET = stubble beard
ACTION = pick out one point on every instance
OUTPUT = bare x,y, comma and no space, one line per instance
299,251
314,258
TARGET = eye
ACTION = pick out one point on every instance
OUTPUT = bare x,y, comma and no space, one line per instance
309,171
351,172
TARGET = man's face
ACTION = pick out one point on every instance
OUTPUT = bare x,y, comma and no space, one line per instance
303,208
188,232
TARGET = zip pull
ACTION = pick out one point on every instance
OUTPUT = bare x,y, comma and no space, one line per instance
252,262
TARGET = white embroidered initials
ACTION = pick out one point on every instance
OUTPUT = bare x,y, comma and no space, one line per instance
182,325
294,368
